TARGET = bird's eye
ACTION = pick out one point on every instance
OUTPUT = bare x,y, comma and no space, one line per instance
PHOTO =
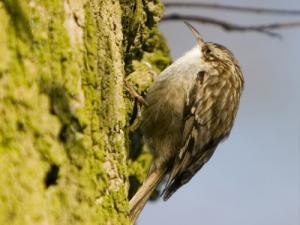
207,51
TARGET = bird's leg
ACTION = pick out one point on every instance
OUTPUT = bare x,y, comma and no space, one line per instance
134,94
140,102
138,120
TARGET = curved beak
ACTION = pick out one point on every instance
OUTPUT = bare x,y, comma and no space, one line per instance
196,34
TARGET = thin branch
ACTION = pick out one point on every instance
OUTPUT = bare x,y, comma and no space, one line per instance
265,28
216,6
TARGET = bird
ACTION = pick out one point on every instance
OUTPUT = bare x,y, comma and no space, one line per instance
191,108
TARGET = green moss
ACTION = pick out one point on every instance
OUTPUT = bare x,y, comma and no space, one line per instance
19,18
65,118
41,83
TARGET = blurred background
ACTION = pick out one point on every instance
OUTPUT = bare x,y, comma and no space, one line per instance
254,176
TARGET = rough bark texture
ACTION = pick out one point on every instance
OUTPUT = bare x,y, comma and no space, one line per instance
66,150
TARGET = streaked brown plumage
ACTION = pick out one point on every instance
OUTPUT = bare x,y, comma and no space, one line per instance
191,108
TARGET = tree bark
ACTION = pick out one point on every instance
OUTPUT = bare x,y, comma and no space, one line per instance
67,153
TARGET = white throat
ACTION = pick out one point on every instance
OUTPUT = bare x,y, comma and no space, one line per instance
193,56
186,67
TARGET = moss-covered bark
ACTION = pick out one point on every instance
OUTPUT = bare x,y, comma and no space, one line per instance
66,150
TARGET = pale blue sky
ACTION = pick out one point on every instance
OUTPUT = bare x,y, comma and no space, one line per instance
254,176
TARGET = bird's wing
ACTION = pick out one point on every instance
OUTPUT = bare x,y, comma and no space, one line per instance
199,140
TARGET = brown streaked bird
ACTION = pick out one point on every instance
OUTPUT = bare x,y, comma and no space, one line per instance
191,107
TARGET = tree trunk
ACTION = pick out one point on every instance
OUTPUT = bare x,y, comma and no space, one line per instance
67,155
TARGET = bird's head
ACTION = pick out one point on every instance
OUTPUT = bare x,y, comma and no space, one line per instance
212,53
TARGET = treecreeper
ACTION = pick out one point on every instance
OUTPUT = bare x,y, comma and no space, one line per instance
190,109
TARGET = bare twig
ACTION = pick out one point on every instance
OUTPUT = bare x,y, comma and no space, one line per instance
215,6
265,28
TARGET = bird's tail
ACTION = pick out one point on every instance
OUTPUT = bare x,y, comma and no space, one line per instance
138,201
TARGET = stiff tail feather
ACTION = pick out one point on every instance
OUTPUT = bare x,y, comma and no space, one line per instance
138,201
